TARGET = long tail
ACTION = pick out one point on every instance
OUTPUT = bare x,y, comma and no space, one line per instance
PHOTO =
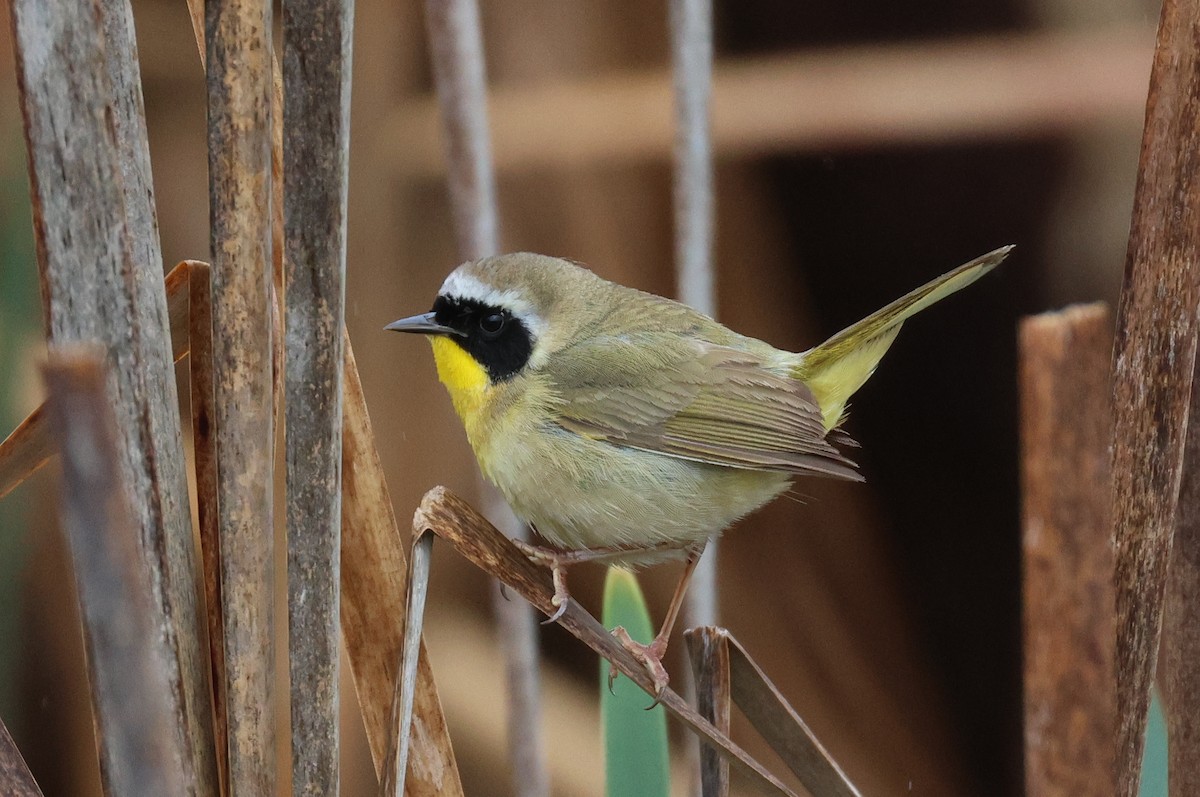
839,366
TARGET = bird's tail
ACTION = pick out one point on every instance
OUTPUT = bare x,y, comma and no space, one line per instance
838,367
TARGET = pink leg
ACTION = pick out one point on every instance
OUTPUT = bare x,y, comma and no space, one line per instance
651,655
558,561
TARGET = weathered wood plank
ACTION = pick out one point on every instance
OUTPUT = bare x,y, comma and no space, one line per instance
127,656
374,585
238,65
102,281
1154,357
808,100
1070,685
15,778
316,139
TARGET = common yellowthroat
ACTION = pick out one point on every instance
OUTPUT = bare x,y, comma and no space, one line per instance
626,426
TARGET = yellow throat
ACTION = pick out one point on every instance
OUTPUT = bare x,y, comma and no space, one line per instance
465,379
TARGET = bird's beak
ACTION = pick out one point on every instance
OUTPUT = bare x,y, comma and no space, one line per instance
423,324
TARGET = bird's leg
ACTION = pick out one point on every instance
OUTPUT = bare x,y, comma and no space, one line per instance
558,560
650,656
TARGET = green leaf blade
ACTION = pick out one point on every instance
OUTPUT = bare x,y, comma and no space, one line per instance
636,756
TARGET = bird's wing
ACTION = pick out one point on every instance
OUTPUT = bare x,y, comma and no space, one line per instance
688,398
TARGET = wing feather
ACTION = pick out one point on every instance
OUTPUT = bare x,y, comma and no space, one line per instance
692,399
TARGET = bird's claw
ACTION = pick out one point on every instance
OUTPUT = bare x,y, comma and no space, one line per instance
649,656
558,573
559,612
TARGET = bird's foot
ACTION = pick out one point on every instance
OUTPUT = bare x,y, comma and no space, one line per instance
649,656
557,562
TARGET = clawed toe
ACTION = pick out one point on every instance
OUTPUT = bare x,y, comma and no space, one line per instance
649,656
558,613
558,573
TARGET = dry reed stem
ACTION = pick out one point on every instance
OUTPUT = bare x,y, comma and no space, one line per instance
198,337
403,698
782,728
708,650
15,778
28,447
1153,364
1070,686
316,139
692,70
374,584
1180,657
452,519
127,657
238,36
177,554
101,281
456,50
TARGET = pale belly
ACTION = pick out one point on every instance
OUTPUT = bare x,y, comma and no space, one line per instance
582,493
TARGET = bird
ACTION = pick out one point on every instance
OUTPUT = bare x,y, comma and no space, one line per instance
630,428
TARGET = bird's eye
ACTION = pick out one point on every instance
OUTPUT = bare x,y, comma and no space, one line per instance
492,324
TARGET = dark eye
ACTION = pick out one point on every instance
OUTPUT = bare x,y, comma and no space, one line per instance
492,324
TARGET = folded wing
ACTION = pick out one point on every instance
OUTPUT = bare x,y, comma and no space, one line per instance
691,399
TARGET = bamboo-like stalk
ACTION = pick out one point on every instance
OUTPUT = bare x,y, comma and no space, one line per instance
127,660
316,139
373,558
692,68
1070,687
101,280
456,48
238,38
1153,366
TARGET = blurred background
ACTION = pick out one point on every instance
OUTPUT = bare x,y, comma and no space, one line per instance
861,149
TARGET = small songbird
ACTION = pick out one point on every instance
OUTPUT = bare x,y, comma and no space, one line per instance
628,427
